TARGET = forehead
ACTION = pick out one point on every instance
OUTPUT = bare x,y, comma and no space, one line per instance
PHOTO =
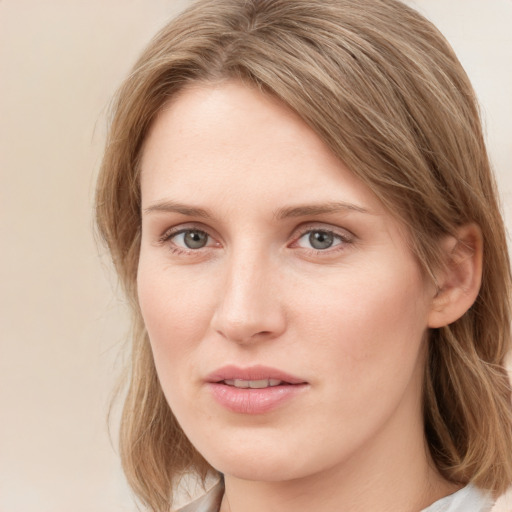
227,141
227,120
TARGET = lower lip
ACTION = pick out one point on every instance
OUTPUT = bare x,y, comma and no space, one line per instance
254,401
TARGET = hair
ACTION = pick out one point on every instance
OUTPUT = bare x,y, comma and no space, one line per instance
396,106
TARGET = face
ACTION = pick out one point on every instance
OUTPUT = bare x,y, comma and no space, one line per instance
286,313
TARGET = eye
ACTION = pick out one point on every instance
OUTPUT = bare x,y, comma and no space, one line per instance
189,239
321,239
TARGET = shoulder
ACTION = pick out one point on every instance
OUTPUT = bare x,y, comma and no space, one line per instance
468,499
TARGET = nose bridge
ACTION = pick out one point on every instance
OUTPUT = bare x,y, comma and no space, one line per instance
249,307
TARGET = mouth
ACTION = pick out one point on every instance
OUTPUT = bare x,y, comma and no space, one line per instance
253,390
253,377
253,384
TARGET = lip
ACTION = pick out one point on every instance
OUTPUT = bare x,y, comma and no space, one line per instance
257,372
249,400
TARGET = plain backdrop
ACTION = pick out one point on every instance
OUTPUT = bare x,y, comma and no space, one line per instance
63,321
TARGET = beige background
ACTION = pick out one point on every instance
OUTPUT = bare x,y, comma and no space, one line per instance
62,320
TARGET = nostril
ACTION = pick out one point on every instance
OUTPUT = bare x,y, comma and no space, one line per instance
247,317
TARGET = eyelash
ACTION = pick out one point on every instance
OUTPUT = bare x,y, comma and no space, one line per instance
343,238
166,239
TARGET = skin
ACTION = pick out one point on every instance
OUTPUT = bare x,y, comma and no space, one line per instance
351,319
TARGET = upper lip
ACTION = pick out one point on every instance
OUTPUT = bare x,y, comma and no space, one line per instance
257,372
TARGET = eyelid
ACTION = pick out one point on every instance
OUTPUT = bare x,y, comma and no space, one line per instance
187,226
343,233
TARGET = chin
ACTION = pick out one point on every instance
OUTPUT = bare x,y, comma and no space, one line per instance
252,458
270,470
264,460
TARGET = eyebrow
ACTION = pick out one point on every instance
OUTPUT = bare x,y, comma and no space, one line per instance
317,209
174,207
169,206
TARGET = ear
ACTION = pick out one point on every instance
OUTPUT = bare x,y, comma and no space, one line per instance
459,280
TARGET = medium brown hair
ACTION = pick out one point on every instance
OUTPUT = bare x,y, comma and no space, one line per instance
382,87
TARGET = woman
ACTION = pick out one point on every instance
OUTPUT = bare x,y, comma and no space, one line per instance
297,198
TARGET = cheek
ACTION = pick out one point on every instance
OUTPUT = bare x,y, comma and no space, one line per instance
366,325
176,312
365,350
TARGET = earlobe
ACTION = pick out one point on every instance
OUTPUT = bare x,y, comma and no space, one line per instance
459,280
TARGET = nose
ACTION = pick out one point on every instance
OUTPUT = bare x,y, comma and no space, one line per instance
250,307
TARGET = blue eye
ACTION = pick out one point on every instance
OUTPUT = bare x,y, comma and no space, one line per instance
190,239
319,240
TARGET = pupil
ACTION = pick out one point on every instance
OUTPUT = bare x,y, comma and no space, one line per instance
195,239
321,239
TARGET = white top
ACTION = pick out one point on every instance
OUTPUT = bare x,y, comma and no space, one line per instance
468,499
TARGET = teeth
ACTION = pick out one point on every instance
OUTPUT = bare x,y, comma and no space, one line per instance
259,384
253,384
